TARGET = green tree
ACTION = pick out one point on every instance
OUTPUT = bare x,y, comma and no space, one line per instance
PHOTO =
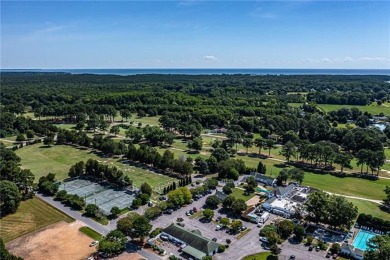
297,175
152,212
114,243
126,224
344,160
141,227
208,214
20,138
115,130
228,188
299,232
212,202
259,142
196,143
236,226
115,211
386,201
180,196
238,207
247,143
224,222
285,228
317,206
282,177
251,184
220,154
48,141
9,197
92,210
261,168
270,144
145,188
288,150
378,248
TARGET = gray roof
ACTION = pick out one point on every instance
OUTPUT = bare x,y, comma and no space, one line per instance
269,201
191,239
281,191
220,195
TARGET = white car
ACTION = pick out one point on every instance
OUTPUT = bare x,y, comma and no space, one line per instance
218,227
264,239
94,243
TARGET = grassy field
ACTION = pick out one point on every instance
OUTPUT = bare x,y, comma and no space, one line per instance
371,208
31,215
91,233
59,158
261,256
239,194
372,109
347,185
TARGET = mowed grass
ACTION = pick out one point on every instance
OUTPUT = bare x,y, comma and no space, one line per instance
59,158
350,186
373,109
261,256
31,215
368,207
239,194
91,233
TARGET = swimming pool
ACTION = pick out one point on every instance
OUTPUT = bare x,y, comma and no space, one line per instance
362,238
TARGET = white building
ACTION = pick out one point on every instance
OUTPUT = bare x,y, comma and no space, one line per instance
280,206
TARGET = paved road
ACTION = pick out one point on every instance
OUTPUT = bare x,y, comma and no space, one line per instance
92,224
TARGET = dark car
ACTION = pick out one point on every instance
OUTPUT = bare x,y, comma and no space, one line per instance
292,257
311,248
318,248
219,218
328,254
181,224
195,209
168,211
214,239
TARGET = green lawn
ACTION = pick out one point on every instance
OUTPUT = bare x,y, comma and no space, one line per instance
59,158
144,120
91,233
373,108
31,215
239,194
261,256
371,208
348,185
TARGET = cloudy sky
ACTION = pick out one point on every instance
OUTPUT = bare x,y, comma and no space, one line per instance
195,34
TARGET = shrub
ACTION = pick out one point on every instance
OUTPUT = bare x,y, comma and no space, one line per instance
221,249
155,232
309,239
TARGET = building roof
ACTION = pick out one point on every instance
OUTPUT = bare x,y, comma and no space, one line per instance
194,252
347,247
359,252
196,241
281,191
220,195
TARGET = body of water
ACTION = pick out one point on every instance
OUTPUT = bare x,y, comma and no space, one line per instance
361,239
125,72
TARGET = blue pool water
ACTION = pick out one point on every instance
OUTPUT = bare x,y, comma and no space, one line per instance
362,238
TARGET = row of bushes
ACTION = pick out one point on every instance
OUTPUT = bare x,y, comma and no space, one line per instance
373,222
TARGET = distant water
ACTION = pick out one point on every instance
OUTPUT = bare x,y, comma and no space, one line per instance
125,72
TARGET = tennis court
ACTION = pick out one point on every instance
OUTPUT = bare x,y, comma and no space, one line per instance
100,195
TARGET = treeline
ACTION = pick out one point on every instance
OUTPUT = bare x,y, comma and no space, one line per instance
166,162
16,184
101,172
373,222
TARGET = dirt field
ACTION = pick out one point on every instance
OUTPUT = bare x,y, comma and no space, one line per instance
253,201
59,241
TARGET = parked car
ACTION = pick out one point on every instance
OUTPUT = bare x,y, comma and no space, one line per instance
181,224
264,239
214,239
219,218
168,211
218,227
94,243
259,225
292,257
164,237
188,213
311,248
318,248
195,209
328,254
335,256
243,228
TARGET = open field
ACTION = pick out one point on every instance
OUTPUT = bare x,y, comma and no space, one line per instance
59,158
373,109
59,241
371,208
348,185
239,194
31,215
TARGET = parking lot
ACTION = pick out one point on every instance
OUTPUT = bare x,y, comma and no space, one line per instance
300,251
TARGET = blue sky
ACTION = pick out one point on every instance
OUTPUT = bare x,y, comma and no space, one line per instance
195,34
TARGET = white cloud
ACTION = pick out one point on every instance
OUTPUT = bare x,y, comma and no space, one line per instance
310,60
373,59
347,59
325,60
210,57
